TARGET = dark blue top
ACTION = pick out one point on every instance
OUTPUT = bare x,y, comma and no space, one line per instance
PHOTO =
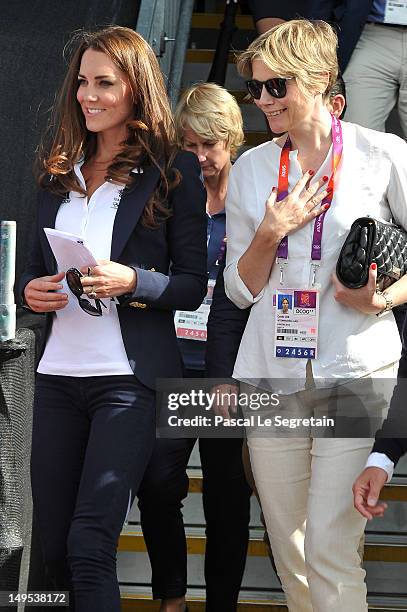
378,11
193,351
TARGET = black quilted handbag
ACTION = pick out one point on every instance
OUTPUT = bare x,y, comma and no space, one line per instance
369,241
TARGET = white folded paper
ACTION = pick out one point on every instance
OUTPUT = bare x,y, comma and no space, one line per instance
69,250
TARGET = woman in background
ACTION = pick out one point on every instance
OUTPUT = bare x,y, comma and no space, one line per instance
209,124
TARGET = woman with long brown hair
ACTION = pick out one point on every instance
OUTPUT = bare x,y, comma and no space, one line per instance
113,177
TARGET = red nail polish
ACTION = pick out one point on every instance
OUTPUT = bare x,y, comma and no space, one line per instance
373,266
311,172
325,178
327,206
274,189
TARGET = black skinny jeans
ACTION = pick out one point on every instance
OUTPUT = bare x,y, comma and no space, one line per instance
226,501
92,440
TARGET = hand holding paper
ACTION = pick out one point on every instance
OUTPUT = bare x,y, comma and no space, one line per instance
44,294
69,250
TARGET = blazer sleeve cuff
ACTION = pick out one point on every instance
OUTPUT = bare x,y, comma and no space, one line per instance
380,460
150,286
236,290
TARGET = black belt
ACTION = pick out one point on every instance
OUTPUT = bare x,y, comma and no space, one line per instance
388,25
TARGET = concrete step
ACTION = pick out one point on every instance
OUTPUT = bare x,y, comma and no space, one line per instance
194,72
248,601
394,520
139,599
382,576
253,119
400,471
395,491
134,568
383,547
205,31
212,21
205,56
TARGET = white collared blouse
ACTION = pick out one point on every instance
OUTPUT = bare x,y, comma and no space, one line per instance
372,181
80,344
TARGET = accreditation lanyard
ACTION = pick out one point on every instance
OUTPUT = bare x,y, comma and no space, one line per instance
337,145
193,325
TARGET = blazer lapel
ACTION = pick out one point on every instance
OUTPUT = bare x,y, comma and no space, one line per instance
49,208
47,212
131,206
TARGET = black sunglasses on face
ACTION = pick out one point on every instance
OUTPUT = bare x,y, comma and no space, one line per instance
275,87
73,278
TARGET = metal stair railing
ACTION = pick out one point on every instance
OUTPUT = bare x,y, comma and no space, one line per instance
161,22
226,31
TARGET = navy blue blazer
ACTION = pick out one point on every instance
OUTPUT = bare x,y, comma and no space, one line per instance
393,448
387,440
349,16
179,244
226,324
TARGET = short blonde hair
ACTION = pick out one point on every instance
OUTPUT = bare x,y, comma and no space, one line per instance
306,50
213,113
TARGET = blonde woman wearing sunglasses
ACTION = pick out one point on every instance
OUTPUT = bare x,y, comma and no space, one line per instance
290,205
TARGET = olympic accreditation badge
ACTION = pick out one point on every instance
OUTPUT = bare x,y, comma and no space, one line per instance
396,12
192,325
296,323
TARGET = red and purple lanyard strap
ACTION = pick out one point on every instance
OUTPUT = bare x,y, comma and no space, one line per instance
337,145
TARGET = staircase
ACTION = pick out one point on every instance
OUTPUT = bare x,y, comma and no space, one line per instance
385,557
204,33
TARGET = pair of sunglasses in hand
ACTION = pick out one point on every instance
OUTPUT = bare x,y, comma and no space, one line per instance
73,278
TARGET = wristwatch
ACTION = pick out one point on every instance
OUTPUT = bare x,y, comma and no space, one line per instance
389,303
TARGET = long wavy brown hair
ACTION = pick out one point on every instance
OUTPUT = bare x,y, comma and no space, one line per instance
150,134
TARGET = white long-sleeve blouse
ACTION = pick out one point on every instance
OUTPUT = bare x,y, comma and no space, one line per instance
372,181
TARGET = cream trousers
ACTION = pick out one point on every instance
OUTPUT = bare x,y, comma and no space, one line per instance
305,489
